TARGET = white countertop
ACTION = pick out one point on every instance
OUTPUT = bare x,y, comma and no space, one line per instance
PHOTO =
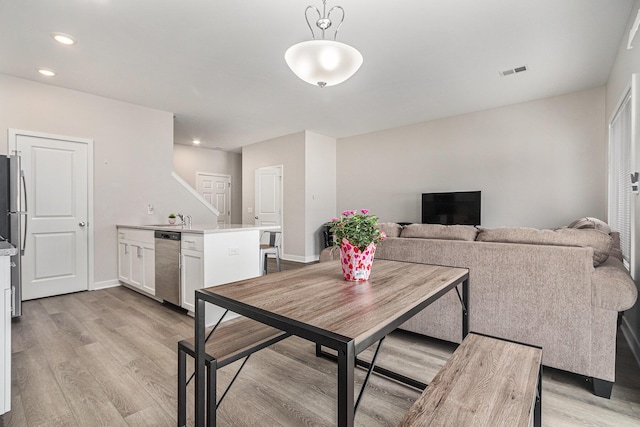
7,249
203,228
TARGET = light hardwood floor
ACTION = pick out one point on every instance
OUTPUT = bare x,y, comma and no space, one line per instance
109,358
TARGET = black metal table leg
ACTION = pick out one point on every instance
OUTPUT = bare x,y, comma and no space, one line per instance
211,392
465,308
200,362
346,367
537,410
182,388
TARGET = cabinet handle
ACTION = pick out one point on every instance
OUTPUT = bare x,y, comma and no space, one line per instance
139,252
190,241
126,248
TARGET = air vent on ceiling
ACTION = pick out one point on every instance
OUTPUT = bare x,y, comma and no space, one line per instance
513,71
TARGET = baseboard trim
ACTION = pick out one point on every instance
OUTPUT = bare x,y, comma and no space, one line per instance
632,340
298,258
104,284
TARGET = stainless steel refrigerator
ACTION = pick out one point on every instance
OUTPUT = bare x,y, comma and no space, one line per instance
13,221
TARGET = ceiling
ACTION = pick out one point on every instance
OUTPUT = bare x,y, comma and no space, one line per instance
219,65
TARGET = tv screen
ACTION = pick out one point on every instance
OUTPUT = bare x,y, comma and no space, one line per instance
461,207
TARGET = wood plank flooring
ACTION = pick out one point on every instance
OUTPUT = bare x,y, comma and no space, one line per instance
108,358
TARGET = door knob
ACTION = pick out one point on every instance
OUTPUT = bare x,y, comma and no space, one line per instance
256,217
82,224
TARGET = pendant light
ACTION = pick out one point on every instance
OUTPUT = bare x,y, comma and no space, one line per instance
323,62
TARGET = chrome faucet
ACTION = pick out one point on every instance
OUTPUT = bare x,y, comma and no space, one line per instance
185,220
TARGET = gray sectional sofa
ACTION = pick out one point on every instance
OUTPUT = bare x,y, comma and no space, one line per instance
559,289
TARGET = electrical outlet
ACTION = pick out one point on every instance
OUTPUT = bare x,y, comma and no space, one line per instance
234,251
150,209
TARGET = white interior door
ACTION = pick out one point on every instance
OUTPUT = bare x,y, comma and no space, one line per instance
268,197
216,189
56,247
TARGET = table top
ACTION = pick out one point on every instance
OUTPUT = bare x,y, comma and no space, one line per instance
317,298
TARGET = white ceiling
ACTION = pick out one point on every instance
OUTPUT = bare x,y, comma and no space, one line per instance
219,65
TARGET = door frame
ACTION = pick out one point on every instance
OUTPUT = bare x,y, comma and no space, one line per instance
198,173
12,149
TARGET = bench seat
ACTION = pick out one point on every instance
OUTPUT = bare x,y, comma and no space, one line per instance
486,382
232,340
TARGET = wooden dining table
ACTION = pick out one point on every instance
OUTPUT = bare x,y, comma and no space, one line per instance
317,304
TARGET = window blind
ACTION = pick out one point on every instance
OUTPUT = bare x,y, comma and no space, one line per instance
619,176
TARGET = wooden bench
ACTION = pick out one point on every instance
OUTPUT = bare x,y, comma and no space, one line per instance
232,340
486,382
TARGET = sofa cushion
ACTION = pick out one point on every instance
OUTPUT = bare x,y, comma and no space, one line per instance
599,241
391,229
612,287
441,232
591,223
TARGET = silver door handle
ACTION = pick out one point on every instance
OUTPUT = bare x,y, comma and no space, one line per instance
82,224
255,217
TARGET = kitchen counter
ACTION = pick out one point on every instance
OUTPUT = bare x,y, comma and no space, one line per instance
204,228
7,249
209,255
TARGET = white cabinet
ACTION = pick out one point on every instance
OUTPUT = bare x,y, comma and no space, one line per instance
124,259
212,259
192,277
5,335
136,259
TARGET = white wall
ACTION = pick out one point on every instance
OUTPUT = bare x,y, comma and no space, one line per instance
287,151
189,160
320,189
626,64
133,157
309,181
538,164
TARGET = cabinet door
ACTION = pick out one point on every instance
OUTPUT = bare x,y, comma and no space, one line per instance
5,381
149,261
5,335
137,265
124,261
192,275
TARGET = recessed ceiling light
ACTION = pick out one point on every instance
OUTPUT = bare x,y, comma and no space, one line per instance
63,38
196,142
46,72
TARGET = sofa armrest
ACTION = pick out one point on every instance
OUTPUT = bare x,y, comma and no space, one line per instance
331,253
612,287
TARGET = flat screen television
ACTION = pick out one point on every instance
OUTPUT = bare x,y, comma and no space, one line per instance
462,207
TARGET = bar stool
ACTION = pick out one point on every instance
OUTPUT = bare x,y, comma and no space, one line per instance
273,247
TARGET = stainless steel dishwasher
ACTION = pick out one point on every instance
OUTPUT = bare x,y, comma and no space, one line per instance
168,266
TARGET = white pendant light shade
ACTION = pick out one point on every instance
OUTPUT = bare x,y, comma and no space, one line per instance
323,62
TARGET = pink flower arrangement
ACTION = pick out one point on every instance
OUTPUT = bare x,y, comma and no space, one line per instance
357,227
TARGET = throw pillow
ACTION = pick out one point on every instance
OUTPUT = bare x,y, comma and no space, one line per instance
591,223
440,232
599,241
391,229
